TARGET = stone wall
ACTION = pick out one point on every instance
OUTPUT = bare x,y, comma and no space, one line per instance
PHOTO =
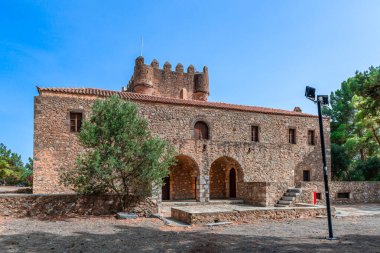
264,193
55,147
359,192
272,159
255,193
43,205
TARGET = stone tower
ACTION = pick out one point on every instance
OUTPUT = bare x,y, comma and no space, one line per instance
151,80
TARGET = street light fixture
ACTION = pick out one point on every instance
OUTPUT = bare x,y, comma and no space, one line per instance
321,101
310,93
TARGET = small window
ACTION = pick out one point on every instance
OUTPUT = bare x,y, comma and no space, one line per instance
75,121
306,175
255,133
201,131
318,195
292,136
311,137
343,195
183,94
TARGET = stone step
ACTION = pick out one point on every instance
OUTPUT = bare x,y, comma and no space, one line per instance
170,221
296,190
291,194
289,198
285,202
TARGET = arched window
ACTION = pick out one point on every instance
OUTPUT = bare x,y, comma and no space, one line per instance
201,131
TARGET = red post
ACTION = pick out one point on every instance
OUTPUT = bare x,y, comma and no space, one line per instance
314,198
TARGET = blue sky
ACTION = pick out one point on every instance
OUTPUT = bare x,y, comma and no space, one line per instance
260,53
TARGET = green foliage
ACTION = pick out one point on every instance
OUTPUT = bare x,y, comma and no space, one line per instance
339,163
355,123
12,170
369,169
122,156
27,175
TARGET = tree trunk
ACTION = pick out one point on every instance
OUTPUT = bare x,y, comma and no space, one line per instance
362,155
375,134
123,202
121,198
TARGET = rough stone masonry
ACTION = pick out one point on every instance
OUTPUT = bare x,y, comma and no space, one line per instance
224,150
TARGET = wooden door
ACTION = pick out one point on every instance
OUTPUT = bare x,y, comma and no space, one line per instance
232,183
201,131
166,188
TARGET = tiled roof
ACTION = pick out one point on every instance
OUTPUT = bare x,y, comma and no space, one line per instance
174,101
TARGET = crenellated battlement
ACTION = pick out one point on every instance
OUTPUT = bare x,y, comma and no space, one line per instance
151,80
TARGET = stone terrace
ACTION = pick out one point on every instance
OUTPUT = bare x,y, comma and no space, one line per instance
242,213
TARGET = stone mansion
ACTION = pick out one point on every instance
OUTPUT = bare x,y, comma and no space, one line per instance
224,150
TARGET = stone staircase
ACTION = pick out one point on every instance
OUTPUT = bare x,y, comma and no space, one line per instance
289,197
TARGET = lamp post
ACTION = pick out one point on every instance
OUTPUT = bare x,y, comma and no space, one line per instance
322,100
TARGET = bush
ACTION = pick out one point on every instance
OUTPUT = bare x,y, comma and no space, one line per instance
368,170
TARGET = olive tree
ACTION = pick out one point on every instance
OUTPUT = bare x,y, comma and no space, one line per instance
121,156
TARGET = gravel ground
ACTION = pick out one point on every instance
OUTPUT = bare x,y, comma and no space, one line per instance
107,234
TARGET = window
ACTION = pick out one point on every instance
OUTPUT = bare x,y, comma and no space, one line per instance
201,131
343,195
75,121
292,136
318,195
255,133
183,94
306,175
311,137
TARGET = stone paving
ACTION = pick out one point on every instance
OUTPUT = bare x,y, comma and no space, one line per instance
357,210
166,206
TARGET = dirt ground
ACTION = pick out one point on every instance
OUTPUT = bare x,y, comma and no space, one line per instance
107,234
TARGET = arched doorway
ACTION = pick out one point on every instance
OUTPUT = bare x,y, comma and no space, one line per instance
181,184
226,177
232,181
166,188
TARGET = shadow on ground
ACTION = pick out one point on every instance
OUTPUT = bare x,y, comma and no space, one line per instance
143,239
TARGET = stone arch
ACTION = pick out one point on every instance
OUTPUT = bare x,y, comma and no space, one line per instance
221,171
183,179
